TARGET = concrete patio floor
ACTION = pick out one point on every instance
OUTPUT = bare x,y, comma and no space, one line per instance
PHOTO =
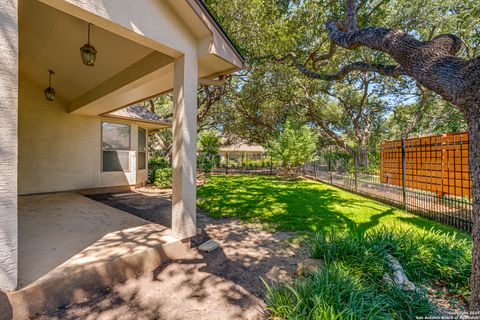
70,245
225,284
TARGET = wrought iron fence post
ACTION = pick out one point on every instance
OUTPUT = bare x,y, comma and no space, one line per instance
330,168
355,168
226,166
271,165
404,174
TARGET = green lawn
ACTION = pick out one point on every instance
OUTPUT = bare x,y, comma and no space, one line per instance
353,236
301,205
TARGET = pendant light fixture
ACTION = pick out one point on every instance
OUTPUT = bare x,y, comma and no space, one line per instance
50,92
88,52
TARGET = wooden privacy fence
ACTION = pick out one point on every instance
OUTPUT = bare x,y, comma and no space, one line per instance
437,164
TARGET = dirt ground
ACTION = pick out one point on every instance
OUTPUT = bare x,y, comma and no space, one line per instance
223,284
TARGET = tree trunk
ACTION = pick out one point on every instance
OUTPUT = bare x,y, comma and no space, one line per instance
473,116
286,170
434,65
363,157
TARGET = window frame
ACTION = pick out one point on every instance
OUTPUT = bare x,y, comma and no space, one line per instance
142,151
102,149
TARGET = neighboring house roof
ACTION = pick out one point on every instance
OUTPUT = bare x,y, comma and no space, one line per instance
243,148
138,113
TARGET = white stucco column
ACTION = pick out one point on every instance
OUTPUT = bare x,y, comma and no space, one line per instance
184,154
8,144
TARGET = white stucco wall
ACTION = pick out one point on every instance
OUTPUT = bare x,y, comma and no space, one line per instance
8,144
59,151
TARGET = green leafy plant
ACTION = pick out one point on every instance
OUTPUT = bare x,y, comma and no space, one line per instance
352,286
205,163
160,172
294,146
154,164
209,149
163,178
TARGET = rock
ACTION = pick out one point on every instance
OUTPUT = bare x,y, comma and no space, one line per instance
399,277
309,266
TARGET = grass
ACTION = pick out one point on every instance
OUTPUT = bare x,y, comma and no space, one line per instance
352,235
352,285
301,205
338,292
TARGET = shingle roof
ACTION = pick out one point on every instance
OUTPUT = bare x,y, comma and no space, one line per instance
138,113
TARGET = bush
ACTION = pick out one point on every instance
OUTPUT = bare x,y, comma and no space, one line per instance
205,163
351,286
154,164
338,292
428,256
163,178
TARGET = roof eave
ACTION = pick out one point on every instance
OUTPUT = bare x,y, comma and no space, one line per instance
220,29
153,124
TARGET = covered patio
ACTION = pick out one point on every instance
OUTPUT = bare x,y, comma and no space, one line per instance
89,136
66,239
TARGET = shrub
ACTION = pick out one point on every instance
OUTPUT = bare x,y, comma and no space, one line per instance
351,286
154,164
294,146
339,292
163,178
428,256
205,163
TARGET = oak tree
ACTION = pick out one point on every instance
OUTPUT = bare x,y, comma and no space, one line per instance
435,65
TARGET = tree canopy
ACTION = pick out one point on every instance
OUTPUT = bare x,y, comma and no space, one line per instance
424,44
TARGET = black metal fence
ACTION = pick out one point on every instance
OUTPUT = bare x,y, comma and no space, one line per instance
427,176
253,169
413,191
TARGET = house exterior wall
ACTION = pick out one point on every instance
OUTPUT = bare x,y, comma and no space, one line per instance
59,151
8,144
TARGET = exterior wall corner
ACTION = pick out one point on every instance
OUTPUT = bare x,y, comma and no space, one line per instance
8,144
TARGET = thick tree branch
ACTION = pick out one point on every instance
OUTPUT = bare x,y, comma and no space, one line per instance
253,119
323,126
351,15
387,70
323,59
432,63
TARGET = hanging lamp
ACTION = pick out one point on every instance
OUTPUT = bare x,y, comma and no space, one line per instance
50,92
88,52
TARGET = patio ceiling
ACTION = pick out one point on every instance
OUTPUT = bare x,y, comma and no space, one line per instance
51,39
128,68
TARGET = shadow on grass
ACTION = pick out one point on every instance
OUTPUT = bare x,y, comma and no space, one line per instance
299,205
288,205
424,223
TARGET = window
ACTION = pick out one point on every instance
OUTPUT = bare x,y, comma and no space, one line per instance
142,149
115,146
